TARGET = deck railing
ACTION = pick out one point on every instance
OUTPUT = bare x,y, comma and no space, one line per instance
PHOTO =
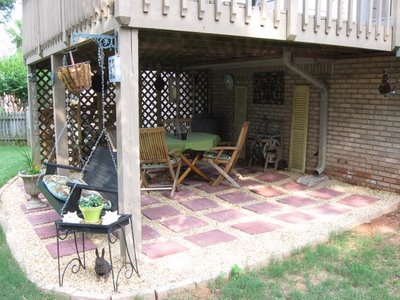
372,24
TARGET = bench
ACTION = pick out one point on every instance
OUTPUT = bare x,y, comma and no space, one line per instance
99,175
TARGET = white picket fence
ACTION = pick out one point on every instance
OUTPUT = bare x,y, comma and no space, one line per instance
13,126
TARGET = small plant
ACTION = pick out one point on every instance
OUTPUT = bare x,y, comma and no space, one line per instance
29,165
91,201
235,271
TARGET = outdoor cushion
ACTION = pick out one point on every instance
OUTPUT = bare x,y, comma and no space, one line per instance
57,186
214,154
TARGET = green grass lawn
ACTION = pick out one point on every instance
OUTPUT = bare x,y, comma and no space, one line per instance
349,266
13,281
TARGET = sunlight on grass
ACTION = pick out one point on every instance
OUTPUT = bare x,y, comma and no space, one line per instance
11,161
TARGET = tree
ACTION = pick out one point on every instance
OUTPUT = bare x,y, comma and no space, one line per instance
6,7
13,82
16,34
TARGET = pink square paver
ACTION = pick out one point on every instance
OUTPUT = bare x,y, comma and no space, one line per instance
47,231
297,201
160,249
181,195
183,223
199,204
325,193
67,247
236,197
213,189
328,210
160,212
27,211
266,191
226,215
264,207
209,238
272,176
256,227
294,186
295,217
249,183
147,200
43,218
148,233
358,200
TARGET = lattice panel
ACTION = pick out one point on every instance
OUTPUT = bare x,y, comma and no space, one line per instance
44,97
201,92
149,99
191,86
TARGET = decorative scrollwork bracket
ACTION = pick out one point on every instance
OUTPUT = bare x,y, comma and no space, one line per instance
103,41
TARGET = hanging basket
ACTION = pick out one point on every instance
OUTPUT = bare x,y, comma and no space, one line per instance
76,77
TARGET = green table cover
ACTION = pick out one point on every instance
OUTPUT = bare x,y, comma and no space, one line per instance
200,141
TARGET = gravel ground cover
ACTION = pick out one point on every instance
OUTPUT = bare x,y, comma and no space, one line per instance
197,264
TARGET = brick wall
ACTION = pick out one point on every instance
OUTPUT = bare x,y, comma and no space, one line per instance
363,127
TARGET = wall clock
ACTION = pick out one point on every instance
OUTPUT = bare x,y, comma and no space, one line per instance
229,81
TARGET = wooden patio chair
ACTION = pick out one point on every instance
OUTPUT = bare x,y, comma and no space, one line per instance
176,126
227,156
154,156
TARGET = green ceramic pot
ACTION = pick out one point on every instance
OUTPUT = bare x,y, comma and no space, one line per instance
91,214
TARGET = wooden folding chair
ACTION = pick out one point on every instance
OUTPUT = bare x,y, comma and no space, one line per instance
154,156
227,156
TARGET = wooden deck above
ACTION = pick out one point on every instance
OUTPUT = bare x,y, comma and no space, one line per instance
349,24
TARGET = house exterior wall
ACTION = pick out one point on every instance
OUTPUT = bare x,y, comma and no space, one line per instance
363,126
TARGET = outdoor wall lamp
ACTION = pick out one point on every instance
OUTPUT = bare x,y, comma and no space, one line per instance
385,88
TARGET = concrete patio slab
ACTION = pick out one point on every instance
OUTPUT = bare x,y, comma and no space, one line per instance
328,210
147,200
297,201
209,238
156,213
43,218
183,194
294,186
67,247
199,204
295,217
267,191
358,200
325,193
148,233
236,197
213,189
47,231
183,223
256,227
272,176
160,249
226,215
264,207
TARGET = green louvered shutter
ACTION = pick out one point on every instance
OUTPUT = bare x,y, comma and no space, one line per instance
298,134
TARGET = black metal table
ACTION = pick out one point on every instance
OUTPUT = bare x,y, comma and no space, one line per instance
64,229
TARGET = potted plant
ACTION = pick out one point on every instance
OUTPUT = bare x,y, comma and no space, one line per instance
91,208
30,174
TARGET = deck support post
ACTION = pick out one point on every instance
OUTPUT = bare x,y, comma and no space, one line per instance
60,115
33,121
128,131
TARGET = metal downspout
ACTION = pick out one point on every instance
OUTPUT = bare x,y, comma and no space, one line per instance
323,112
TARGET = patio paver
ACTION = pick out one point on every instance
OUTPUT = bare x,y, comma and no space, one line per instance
294,186
325,193
43,218
156,213
226,215
213,189
295,217
147,200
67,247
183,194
328,210
160,249
209,238
148,233
297,201
266,191
272,176
358,200
249,182
264,207
256,227
236,197
47,231
183,223
199,204
27,211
